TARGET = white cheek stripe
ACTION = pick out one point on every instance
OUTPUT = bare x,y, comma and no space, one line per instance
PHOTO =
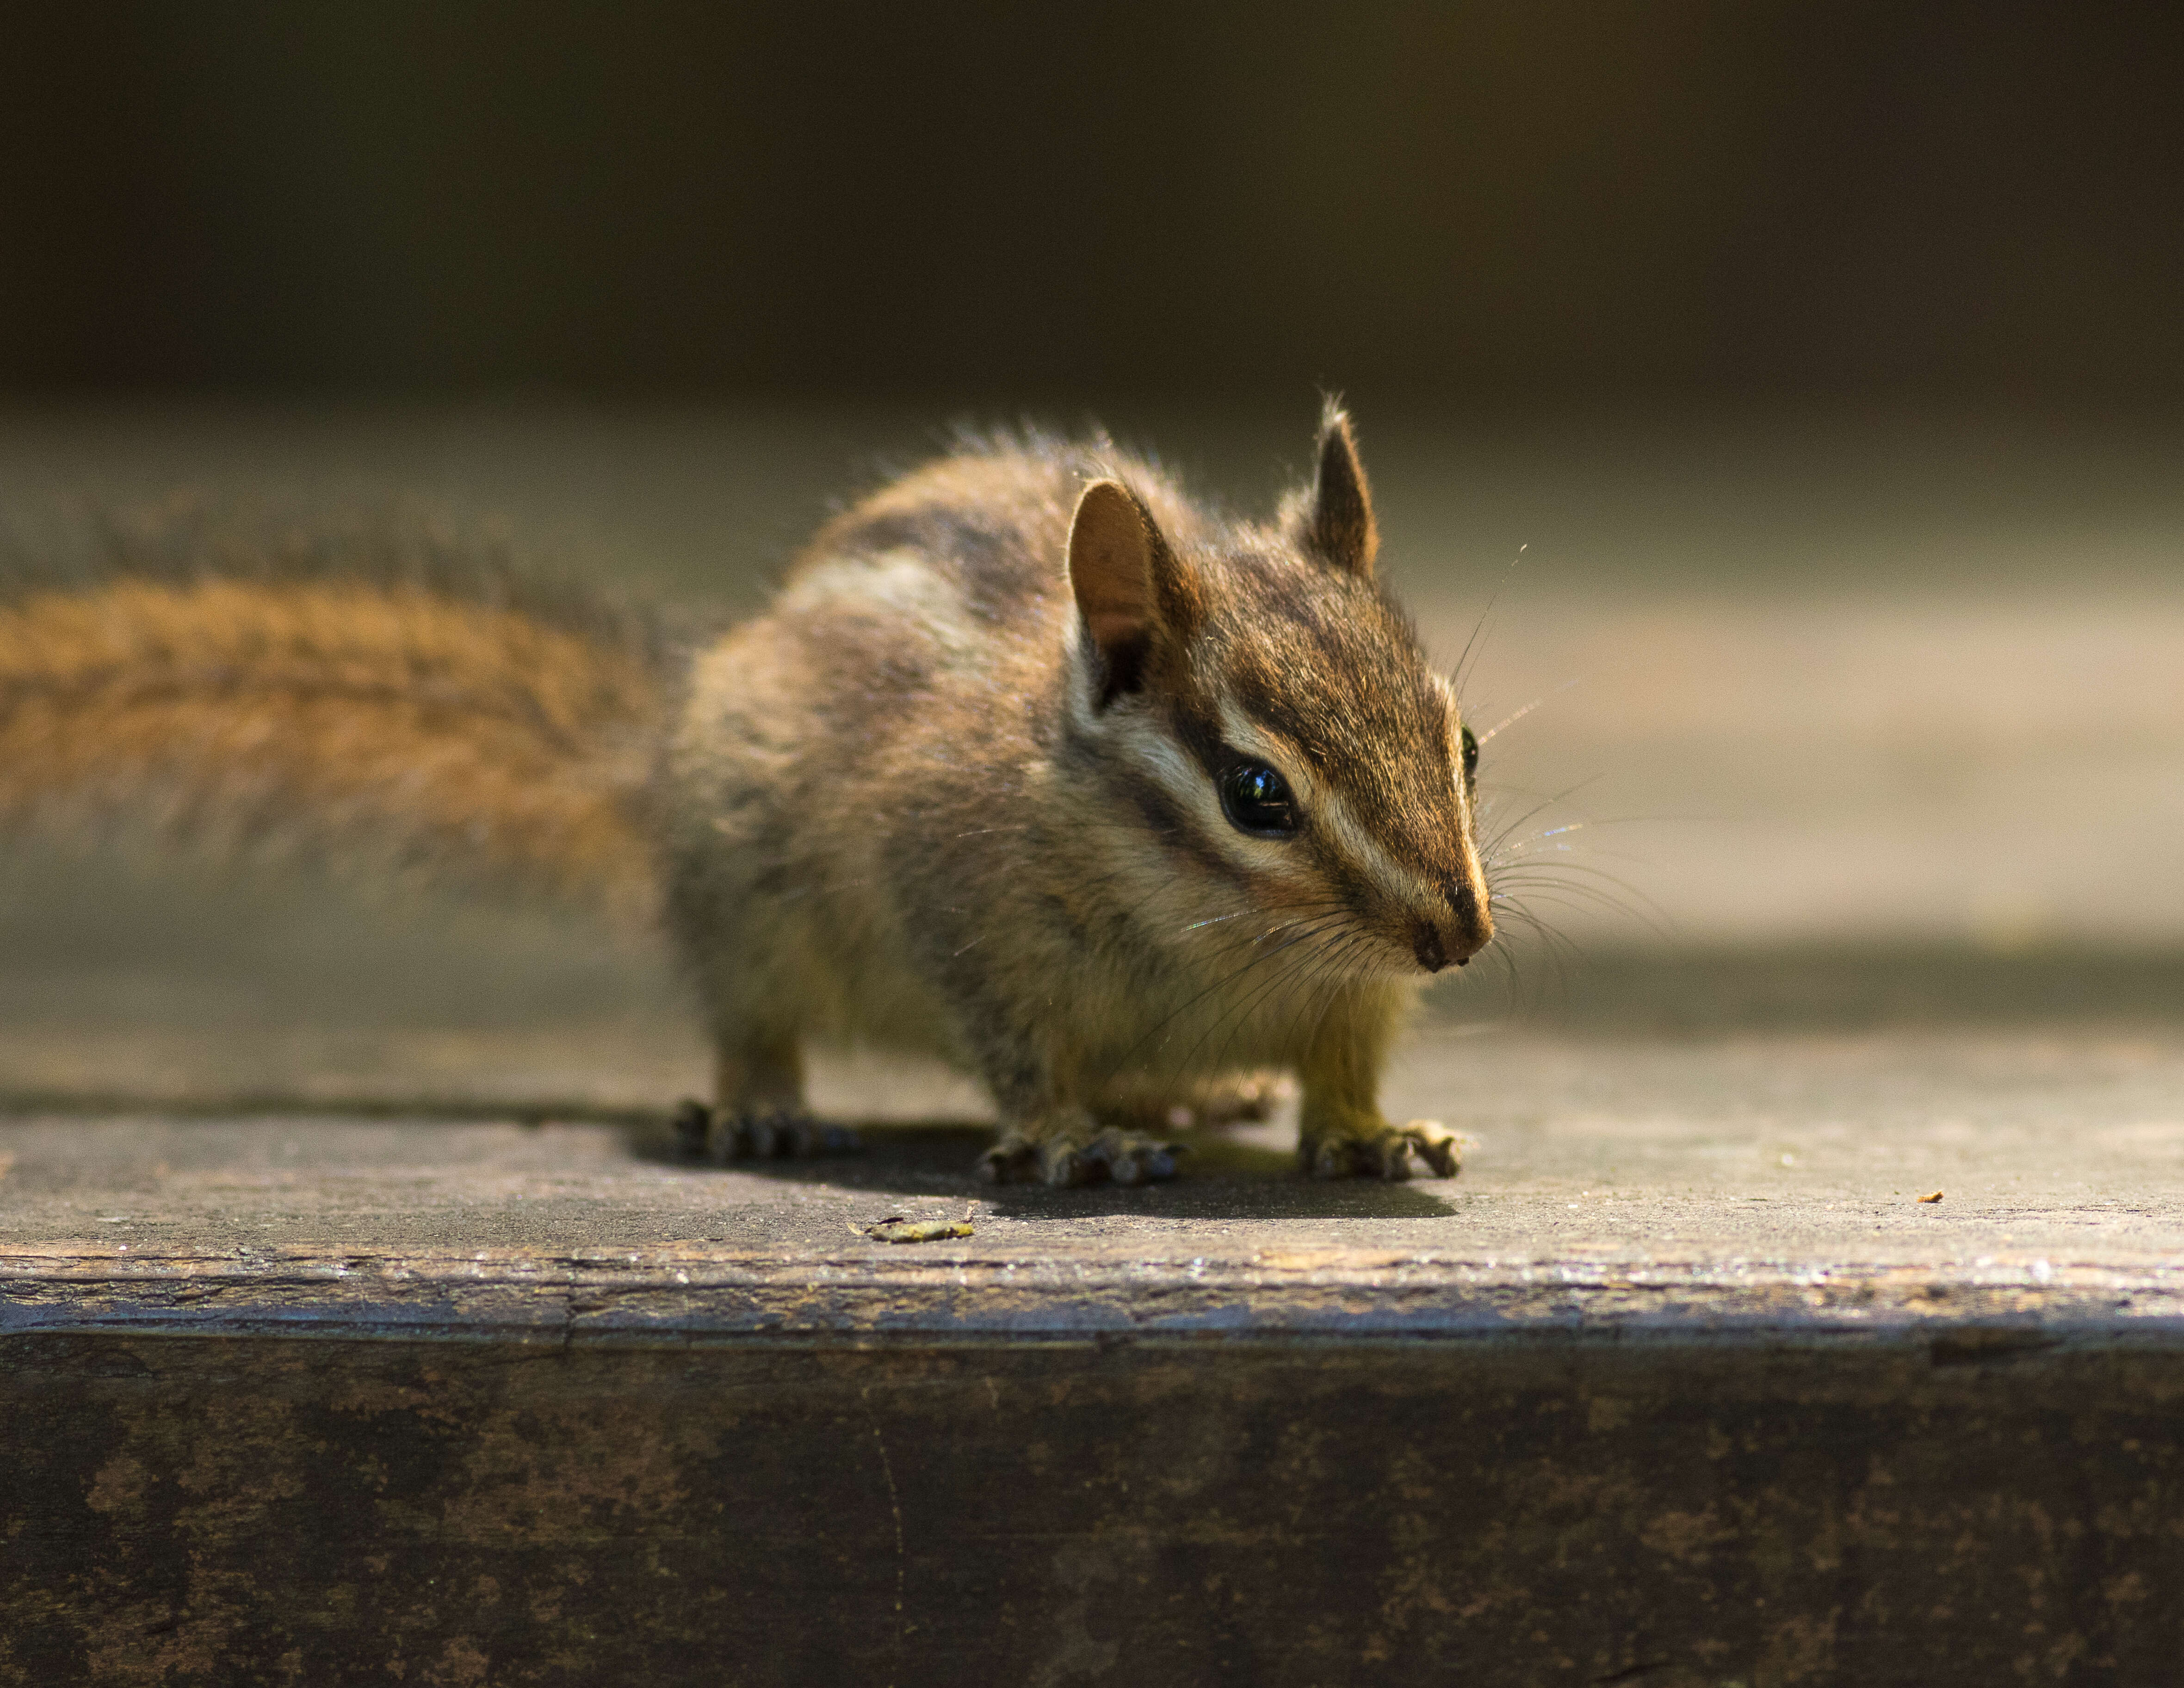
1403,883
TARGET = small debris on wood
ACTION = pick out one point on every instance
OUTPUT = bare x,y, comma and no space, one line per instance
899,1227
1936,1196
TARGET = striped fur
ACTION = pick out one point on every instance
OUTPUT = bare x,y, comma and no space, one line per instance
959,790
937,799
382,723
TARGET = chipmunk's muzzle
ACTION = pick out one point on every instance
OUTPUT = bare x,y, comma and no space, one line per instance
1455,940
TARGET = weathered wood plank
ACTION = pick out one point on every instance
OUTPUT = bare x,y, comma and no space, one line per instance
1537,1510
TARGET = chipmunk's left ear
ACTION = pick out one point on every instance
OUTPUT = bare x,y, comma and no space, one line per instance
1130,589
1333,519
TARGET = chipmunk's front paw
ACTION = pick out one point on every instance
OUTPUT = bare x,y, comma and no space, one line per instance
1110,1157
1387,1153
1117,1156
704,1134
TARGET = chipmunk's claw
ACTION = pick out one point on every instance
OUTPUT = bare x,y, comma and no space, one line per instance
1011,1160
714,1134
1126,1159
1349,1157
1113,1157
1386,1154
1438,1146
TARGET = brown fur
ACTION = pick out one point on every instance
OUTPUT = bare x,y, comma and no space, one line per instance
437,729
935,799
959,790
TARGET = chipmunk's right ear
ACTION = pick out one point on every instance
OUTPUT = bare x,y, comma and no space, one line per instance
1332,518
1128,584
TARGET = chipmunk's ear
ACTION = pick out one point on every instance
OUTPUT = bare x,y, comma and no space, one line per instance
1128,583
1334,519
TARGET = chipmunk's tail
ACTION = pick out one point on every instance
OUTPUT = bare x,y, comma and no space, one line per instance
396,718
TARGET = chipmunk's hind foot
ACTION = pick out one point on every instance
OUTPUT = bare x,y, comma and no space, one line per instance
1111,1156
715,1134
1234,1099
1387,1153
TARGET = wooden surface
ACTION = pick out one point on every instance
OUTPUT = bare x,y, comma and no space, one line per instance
1777,1158
1680,1383
357,1323
186,1510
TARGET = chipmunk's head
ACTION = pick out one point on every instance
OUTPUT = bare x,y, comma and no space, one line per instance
1268,711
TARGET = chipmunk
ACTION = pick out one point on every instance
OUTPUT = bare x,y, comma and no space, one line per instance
1033,764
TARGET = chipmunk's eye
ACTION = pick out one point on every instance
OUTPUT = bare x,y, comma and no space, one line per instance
1256,799
1470,755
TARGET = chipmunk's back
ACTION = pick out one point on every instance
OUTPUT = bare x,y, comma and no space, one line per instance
972,544
910,661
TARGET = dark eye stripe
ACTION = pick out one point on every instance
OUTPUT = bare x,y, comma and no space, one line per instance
1175,830
1157,811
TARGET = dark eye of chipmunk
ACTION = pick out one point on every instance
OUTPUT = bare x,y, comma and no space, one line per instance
1256,799
1470,755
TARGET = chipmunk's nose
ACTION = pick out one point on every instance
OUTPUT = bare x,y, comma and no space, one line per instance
1467,930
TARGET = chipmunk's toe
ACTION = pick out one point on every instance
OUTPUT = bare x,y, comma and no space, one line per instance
1013,1160
1131,1160
1439,1148
715,1134
1068,1165
1112,1156
1387,1157
1387,1154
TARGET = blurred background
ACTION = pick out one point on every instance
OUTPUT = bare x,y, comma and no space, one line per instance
1823,363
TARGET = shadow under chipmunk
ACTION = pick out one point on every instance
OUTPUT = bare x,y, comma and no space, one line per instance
1222,1178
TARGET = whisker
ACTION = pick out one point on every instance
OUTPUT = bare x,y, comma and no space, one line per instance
1479,627
1559,948
1495,842
1487,736
1650,913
